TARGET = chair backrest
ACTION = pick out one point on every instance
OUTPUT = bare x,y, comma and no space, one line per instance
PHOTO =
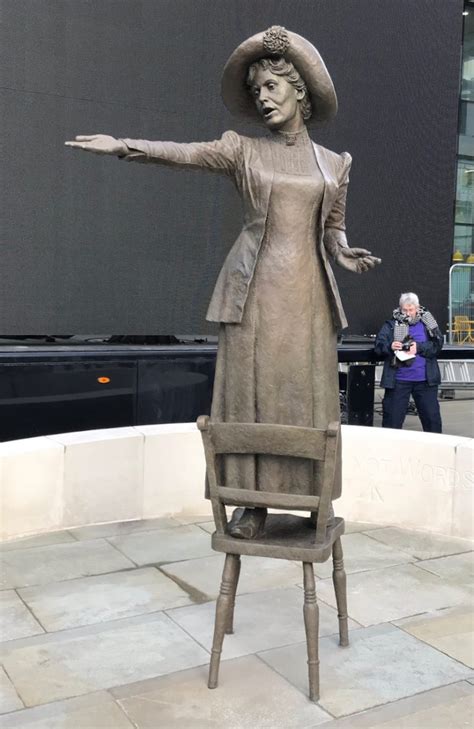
461,323
222,439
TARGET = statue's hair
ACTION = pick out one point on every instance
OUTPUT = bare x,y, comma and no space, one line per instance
409,298
280,67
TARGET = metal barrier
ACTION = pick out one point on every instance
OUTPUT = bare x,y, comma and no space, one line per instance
461,304
455,374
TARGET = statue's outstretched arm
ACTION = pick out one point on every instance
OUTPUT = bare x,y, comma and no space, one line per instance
221,155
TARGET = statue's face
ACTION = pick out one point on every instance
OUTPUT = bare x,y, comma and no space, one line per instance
277,101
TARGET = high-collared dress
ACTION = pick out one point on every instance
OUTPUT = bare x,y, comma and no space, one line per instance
276,297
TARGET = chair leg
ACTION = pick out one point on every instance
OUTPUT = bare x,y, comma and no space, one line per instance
311,624
223,607
339,581
230,619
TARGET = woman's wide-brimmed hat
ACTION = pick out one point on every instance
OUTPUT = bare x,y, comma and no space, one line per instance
274,42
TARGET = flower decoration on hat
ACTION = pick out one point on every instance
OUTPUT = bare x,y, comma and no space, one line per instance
276,40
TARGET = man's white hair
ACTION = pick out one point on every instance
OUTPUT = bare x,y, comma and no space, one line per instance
408,298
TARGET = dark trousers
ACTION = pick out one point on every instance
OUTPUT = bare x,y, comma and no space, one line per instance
395,405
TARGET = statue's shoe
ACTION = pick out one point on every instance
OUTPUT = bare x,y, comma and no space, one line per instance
247,523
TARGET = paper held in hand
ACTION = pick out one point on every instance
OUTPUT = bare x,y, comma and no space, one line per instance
404,356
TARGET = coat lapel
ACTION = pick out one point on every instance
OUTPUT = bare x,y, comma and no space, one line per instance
330,181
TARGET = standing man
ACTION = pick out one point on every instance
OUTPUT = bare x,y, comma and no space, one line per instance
409,344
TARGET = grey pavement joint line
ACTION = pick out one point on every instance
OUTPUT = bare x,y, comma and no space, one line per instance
267,665
166,563
302,643
441,577
188,633
70,579
199,524
15,690
379,541
125,712
418,559
16,591
80,699
387,703
117,549
80,631
421,640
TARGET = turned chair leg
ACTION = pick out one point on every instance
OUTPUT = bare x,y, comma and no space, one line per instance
230,619
223,607
311,624
339,581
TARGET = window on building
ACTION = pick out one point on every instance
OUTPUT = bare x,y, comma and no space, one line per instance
461,285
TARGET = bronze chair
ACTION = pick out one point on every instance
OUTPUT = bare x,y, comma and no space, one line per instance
285,536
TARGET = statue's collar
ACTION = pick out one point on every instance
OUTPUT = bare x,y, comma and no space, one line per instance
291,139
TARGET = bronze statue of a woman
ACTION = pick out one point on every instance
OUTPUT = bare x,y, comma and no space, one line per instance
276,298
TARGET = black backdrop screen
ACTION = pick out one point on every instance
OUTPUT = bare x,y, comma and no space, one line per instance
91,244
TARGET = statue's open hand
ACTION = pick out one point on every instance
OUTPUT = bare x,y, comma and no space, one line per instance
357,260
99,144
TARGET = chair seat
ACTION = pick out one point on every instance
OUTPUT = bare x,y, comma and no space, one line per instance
285,537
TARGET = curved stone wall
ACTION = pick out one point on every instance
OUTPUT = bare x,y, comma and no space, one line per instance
401,478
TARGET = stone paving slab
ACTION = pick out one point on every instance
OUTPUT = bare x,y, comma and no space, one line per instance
26,567
398,592
94,711
86,660
113,596
458,568
256,574
451,631
74,662
16,621
40,540
121,528
421,544
381,664
164,545
254,631
361,554
9,699
249,696
448,707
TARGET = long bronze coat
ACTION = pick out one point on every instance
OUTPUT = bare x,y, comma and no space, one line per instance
244,159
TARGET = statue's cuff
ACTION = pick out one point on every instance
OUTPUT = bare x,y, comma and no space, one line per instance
334,239
129,153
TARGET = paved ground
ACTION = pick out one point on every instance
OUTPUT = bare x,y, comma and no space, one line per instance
110,627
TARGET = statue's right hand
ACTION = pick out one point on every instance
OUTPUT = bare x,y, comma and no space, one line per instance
99,144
